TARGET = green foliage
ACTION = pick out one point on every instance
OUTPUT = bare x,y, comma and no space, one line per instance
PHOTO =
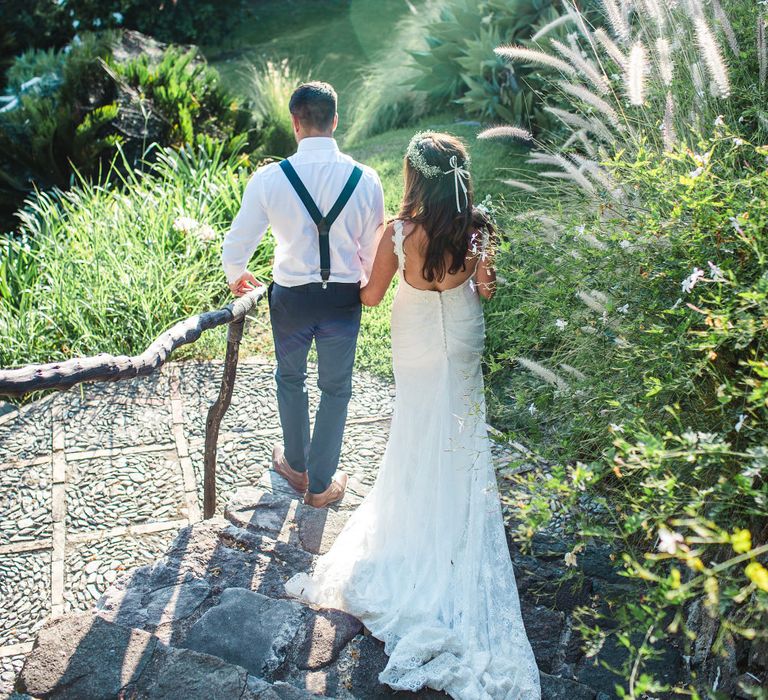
44,24
460,66
185,93
385,99
107,269
271,86
75,105
627,341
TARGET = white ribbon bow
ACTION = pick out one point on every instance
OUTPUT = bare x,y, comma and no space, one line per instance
459,175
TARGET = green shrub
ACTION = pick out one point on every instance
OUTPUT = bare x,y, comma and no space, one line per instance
73,106
103,268
627,339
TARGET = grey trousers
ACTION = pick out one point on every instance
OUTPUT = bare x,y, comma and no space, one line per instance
330,317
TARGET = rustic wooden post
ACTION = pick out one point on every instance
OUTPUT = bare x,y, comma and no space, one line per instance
216,413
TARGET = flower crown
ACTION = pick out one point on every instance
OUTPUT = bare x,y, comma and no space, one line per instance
418,161
459,171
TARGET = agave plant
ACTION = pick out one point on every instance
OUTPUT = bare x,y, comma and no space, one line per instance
460,65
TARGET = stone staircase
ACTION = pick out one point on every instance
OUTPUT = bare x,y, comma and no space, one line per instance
210,619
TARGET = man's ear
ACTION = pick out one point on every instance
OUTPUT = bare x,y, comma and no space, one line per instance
296,124
335,121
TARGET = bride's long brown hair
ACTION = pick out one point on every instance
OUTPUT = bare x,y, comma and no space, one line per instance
431,203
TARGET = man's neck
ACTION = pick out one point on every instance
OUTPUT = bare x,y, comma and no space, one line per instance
326,135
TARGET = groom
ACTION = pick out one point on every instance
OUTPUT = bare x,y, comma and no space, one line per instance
324,210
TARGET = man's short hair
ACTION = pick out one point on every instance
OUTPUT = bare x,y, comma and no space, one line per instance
314,104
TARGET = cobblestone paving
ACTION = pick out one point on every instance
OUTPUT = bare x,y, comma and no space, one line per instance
100,478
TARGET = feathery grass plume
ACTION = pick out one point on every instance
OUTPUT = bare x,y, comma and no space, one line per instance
573,175
656,12
596,171
520,185
610,47
522,55
506,132
713,59
575,14
585,95
762,49
589,148
543,373
697,78
617,19
576,121
668,125
550,229
592,302
584,67
664,60
551,26
725,24
573,372
634,79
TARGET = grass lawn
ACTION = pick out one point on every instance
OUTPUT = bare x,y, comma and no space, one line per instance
491,160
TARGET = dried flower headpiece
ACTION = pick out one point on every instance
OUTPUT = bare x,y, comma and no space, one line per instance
459,171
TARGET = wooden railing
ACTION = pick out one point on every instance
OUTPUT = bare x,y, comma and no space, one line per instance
104,367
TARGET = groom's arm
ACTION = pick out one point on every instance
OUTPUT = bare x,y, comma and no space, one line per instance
246,231
369,238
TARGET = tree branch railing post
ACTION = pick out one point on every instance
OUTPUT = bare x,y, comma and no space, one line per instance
20,381
216,413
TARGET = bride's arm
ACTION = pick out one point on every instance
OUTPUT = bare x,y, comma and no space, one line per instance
384,268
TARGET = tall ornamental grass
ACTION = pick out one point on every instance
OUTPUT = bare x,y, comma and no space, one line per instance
108,268
628,338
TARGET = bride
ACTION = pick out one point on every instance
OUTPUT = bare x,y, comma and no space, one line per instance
423,561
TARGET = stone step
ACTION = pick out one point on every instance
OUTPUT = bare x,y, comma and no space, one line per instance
215,601
82,655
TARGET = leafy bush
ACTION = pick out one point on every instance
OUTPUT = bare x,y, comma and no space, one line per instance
107,269
43,24
627,338
73,106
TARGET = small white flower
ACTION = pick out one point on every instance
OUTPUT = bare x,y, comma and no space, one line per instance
617,427
75,23
715,271
205,233
740,424
736,225
738,142
185,224
669,540
533,410
696,173
561,324
118,17
624,244
690,282
720,121
623,309
570,559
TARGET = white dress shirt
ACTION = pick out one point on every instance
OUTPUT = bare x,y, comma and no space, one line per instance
270,199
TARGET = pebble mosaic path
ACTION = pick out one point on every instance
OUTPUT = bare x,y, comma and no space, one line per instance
100,478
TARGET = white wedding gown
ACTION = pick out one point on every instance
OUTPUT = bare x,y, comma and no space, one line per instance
423,561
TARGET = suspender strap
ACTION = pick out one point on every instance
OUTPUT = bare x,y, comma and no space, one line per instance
323,223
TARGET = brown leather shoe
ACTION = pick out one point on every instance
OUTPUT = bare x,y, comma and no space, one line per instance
335,492
299,481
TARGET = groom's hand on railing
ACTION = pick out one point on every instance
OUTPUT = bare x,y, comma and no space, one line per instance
244,284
